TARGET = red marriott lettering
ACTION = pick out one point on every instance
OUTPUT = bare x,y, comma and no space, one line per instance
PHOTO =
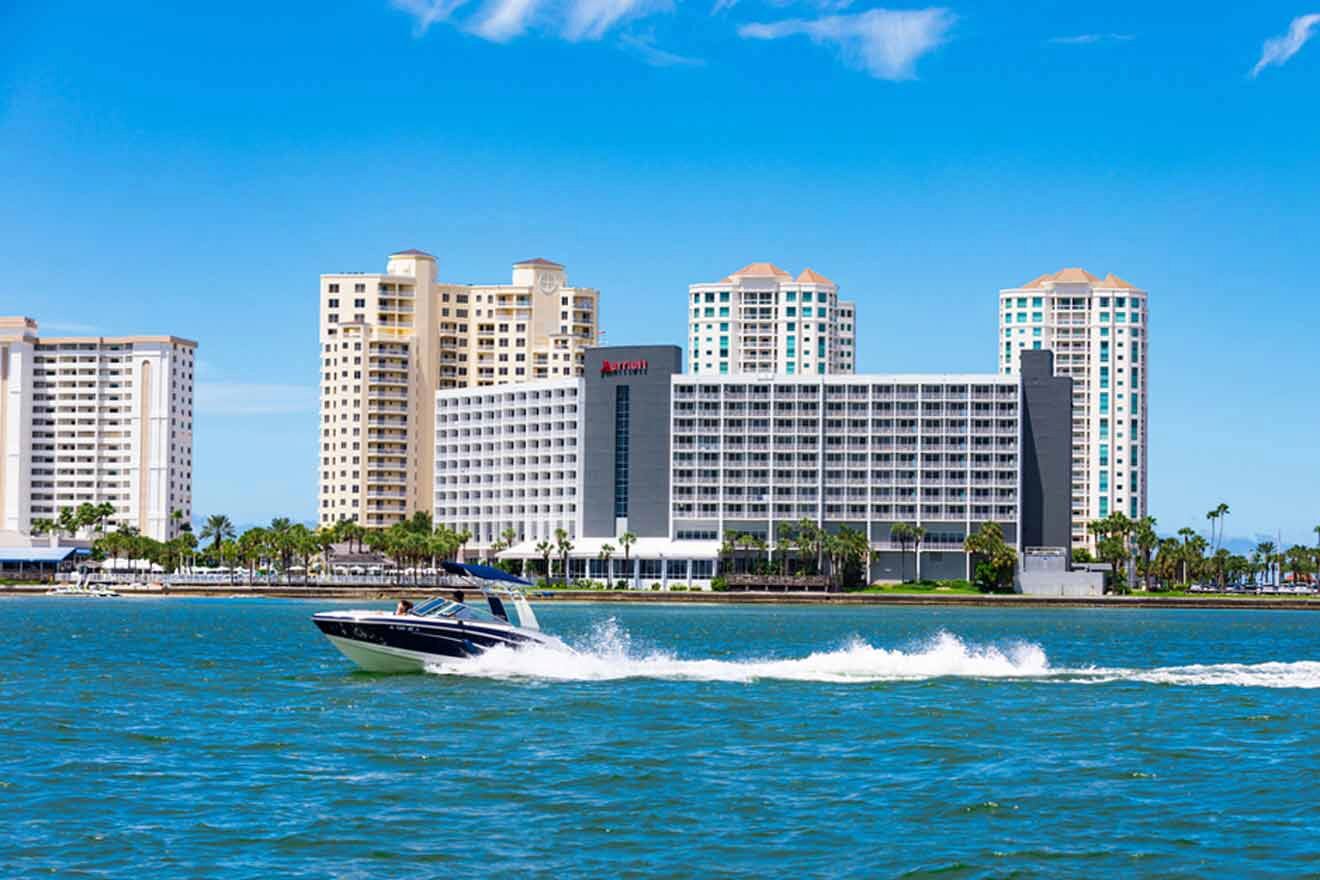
622,368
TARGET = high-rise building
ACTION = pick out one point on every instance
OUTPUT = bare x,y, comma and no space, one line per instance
95,419
389,341
762,320
1098,329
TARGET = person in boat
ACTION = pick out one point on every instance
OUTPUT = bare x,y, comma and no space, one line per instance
404,607
458,596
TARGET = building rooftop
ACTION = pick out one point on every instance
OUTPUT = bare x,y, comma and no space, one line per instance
540,261
413,252
1078,276
761,270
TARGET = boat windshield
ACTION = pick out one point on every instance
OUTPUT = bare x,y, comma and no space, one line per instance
441,607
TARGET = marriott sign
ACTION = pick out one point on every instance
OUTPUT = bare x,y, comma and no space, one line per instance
623,368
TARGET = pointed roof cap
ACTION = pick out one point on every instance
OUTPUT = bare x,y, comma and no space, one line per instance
761,270
811,276
412,252
1112,280
539,261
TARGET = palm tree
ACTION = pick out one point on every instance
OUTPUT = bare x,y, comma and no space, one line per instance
1216,517
217,529
626,540
782,547
565,547
1186,534
988,544
1265,552
918,535
606,551
901,533
66,522
545,548
809,541
1146,541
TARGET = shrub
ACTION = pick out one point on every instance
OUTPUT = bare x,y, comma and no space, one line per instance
719,584
620,584
656,585
677,588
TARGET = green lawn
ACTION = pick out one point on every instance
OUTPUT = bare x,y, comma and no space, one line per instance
951,587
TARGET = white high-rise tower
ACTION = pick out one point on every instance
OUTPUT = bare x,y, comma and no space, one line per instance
1098,329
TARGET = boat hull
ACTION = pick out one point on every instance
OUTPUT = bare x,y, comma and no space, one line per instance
392,643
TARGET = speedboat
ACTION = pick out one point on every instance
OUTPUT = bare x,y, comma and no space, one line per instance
442,628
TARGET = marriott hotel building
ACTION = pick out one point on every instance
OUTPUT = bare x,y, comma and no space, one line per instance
635,445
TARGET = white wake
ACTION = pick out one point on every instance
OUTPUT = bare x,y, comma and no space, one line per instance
609,655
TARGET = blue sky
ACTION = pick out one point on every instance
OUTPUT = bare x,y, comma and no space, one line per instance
192,170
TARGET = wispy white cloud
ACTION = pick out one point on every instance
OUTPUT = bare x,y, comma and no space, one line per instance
428,12
1090,39
886,43
503,20
253,399
1277,50
645,48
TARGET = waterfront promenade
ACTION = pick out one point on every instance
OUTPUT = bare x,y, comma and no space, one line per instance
344,589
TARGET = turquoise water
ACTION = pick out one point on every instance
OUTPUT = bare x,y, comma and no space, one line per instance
194,738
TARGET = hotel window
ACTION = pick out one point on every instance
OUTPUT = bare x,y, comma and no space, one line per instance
710,297
1022,317
724,296
334,288
359,288
621,425
1035,316
334,304
724,311
1104,377
1035,302
791,296
1104,317
806,296
1022,302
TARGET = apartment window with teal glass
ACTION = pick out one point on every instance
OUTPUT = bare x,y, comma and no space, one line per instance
1022,317
724,367
789,368
1008,317
806,296
1136,407
1104,429
821,327
1104,352
1104,331
790,296
724,296
1035,346
791,311
1136,352
710,297
1119,302
1134,464
1104,377
1104,317
710,312
1104,461
1035,331
1022,302
1104,302
820,368
1008,349
696,297
820,348
1136,377
1104,507
1133,503
1104,481
1135,318
791,327
724,328
806,311
1035,316
1036,302
724,311
724,342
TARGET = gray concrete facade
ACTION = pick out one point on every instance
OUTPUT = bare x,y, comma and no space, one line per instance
1046,452
645,372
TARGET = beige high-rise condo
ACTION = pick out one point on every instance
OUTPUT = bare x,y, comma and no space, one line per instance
1098,329
762,320
390,340
94,419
